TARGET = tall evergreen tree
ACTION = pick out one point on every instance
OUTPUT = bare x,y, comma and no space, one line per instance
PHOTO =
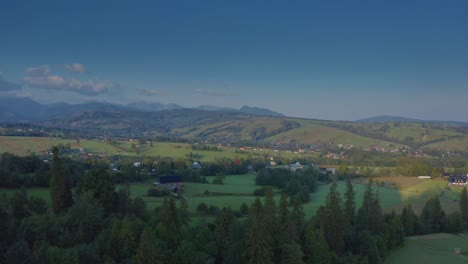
376,219
101,185
432,217
236,244
258,251
349,203
409,221
60,188
291,253
149,249
223,224
283,212
464,206
270,217
315,246
296,220
334,225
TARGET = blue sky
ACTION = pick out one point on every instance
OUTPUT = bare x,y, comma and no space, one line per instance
340,60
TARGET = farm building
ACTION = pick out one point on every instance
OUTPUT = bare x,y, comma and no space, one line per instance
172,182
328,170
424,177
459,180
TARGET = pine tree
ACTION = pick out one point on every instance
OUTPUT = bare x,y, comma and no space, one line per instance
291,253
283,212
464,206
258,251
60,189
296,220
376,219
334,226
223,224
315,246
149,251
409,221
270,217
349,204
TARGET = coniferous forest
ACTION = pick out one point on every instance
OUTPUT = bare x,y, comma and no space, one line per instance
97,221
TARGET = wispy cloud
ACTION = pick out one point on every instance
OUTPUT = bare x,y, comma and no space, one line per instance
42,70
6,85
40,77
152,92
213,92
75,67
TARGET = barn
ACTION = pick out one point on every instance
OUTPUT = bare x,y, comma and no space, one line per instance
172,182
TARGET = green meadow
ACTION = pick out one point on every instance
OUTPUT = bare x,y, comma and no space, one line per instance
24,146
238,189
432,249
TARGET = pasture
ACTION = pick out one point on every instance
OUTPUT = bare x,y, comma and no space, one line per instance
434,248
42,193
238,189
24,146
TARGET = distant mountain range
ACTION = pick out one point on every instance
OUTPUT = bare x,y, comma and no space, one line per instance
13,109
385,119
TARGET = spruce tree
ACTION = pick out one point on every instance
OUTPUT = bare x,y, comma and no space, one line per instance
349,203
148,251
334,225
60,189
223,224
283,212
315,246
464,206
258,251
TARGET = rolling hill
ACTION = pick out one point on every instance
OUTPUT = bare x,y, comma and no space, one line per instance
248,125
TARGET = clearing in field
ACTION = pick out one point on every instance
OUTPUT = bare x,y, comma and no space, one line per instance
434,248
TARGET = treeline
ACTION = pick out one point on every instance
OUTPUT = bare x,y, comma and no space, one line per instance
31,171
103,224
298,184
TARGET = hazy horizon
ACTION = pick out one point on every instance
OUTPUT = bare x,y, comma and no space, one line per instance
331,60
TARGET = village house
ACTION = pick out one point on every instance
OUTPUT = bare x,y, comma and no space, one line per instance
172,182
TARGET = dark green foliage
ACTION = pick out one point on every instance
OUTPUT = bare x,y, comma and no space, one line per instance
464,206
149,249
158,192
60,187
18,253
299,183
433,218
334,222
258,250
349,203
202,208
244,209
138,208
236,247
410,221
315,246
455,223
291,253
223,226
101,186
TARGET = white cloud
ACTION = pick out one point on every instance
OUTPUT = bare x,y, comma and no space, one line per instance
213,92
39,77
76,67
42,70
152,92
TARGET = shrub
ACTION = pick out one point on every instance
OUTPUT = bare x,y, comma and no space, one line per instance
157,192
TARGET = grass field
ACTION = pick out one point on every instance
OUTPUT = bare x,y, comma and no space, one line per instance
238,189
26,145
43,193
434,248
